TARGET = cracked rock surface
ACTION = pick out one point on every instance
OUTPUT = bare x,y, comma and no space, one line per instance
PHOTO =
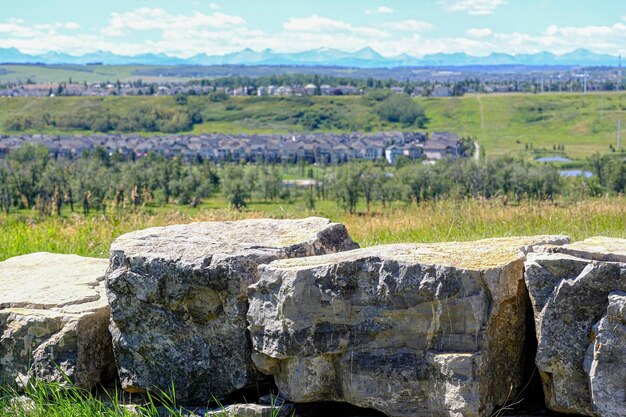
604,361
407,329
576,291
54,320
179,299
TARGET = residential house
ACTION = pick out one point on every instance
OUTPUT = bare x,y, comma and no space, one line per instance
339,154
441,91
392,153
310,89
4,149
313,148
374,152
412,151
326,90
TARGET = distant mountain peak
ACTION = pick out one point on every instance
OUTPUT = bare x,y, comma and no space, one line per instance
368,52
366,57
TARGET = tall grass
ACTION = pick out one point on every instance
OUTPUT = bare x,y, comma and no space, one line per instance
44,399
475,219
53,399
465,220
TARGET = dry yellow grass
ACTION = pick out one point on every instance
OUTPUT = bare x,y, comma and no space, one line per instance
471,220
432,222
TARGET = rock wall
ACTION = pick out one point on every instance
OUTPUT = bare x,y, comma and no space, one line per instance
178,296
575,292
409,330
606,357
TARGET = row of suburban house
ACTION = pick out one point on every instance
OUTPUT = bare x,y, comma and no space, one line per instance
311,148
171,89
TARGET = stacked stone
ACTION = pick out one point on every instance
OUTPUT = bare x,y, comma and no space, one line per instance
409,329
578,297
179,299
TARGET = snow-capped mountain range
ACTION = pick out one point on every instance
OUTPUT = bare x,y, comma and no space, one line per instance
363,58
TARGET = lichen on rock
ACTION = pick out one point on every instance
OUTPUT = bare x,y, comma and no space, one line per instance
179,299
604,360
405,329
54,319
570,289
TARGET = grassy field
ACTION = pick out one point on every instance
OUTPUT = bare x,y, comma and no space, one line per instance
159,73
432,222
584,124
501,123
78,73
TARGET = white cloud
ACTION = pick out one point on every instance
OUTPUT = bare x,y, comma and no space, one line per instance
473,7
479,33
586,31
147,18
214,6
18,29
315,23
181,35
319,24
215,33
58,25
410,25
380,10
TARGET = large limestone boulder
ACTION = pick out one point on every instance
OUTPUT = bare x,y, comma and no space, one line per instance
54,320
606,358
179,299
410,330
597,248
569,288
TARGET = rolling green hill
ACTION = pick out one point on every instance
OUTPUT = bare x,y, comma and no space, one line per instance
530,125
506,123
78,73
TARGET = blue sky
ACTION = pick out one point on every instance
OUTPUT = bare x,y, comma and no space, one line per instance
417,27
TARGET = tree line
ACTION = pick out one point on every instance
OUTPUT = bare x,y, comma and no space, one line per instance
180,114
141,117
31,179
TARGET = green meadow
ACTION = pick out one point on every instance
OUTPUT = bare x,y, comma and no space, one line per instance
521,124
77,73
503,124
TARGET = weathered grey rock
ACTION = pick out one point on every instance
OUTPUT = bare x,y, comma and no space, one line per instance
54,320
179,299
251,410
233,410
569,288
597,248
606,359
410,330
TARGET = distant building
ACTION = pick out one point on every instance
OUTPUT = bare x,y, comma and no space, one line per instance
441,91
310,89
392,153
311,147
